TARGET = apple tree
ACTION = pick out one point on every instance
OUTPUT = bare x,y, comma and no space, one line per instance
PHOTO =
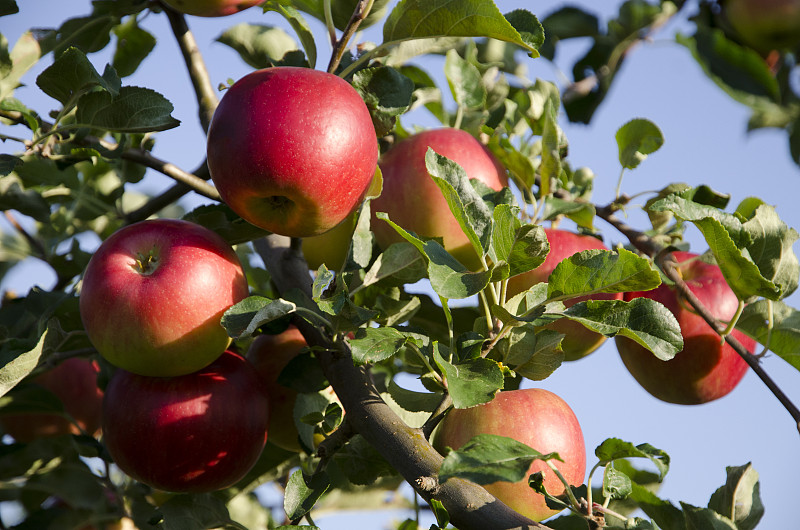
316,186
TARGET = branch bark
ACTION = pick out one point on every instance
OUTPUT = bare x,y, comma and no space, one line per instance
470,506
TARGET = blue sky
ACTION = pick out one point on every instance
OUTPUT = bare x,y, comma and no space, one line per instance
705,143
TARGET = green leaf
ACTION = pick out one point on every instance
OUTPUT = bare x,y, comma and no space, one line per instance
523,247
189,512
372,345
134,109
471,382
417,19
302,493
28,202
413,401
662,512
440,512
8,7
15,369
449,278
705,519
601,271
133,45
637,139
225,222
614,449
244,318
26,52
616,485
785,336
771,247
465,80
467,205
738,70
401,260
259,45
70,76
550,168
489,458
299,25
739,499
533,354
646,321
387,94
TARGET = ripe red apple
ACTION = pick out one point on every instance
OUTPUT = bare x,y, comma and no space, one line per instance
765,24
707,368
578,341
191,433
535,417
270,354
74,382
211,8
414,201
153,295
292,150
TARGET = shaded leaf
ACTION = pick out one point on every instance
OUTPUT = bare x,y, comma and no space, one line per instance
134,109
785,337
258,45
471,382
489,458
245,317
372,345
302,493
637,139
739,499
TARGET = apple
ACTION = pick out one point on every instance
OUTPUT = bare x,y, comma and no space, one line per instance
535,417
578,341
74,383
153,295
414,201
765,24
269,355
707,368
198,432
292,150
331,247
211,8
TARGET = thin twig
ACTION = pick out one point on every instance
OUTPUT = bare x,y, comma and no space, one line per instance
203,88
359,14
197,184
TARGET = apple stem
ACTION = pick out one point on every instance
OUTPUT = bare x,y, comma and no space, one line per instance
732,324
567,489
770,327
326,7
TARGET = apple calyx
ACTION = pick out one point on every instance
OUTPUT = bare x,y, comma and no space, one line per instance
146,264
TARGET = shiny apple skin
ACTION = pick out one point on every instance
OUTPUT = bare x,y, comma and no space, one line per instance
74,383
765,25
211,8
163,320
292,150
194,433
706,369
578,341
535,417
414,201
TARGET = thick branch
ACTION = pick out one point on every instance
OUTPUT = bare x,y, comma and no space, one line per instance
664,260
470,506
203,88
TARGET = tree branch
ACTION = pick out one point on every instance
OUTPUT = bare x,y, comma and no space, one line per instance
359,14
194,182
203,88
470,506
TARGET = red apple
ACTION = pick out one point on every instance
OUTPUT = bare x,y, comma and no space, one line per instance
270,354
765,24
211,8
292,150
535,417
74,382
578,341
414,201
707,368
153,295
191,433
